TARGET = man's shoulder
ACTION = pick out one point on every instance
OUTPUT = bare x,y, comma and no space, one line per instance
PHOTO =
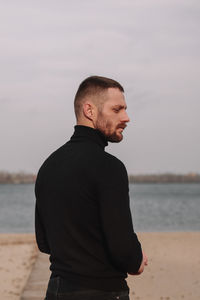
51,157
112,172
114,162
112,158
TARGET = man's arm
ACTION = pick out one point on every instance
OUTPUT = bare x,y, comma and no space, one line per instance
122,242
39,227
40,234
143,264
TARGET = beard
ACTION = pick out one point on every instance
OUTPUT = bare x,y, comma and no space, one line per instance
108,129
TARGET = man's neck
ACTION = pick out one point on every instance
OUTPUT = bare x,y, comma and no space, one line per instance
87,123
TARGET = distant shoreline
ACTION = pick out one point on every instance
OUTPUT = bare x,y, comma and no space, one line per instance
23,178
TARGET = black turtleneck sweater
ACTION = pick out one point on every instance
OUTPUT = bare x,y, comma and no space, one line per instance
83,217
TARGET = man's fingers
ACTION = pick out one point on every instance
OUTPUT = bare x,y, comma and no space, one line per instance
145,259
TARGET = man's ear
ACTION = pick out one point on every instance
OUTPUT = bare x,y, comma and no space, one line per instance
88,110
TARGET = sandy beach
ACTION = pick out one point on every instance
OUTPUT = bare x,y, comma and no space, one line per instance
174,267
17,255
172,273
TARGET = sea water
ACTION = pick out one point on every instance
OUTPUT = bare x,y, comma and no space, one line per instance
154,207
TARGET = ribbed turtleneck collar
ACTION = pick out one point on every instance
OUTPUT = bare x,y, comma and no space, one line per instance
89,133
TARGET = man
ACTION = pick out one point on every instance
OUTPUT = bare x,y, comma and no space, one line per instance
83,218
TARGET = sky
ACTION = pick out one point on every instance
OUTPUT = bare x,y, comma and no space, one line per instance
152,47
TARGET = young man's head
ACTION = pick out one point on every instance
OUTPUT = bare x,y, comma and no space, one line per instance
99,103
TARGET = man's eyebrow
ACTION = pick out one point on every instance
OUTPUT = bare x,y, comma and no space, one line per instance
119,106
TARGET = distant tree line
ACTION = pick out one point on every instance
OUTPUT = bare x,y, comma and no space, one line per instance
22,177
165,178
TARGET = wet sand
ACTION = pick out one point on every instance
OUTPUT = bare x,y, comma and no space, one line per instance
172,273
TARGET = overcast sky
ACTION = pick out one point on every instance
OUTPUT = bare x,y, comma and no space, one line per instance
152,47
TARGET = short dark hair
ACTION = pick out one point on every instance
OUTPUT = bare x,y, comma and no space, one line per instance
93,86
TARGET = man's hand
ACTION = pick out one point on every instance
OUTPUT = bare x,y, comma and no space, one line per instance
143,264
145,258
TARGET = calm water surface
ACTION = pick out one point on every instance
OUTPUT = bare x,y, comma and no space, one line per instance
165,207
154,207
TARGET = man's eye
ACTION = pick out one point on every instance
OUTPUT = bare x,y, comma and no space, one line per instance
116,110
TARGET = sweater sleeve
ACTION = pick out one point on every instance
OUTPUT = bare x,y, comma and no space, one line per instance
40,234
39,228
122,243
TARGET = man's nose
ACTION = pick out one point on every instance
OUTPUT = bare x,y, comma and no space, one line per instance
125,117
